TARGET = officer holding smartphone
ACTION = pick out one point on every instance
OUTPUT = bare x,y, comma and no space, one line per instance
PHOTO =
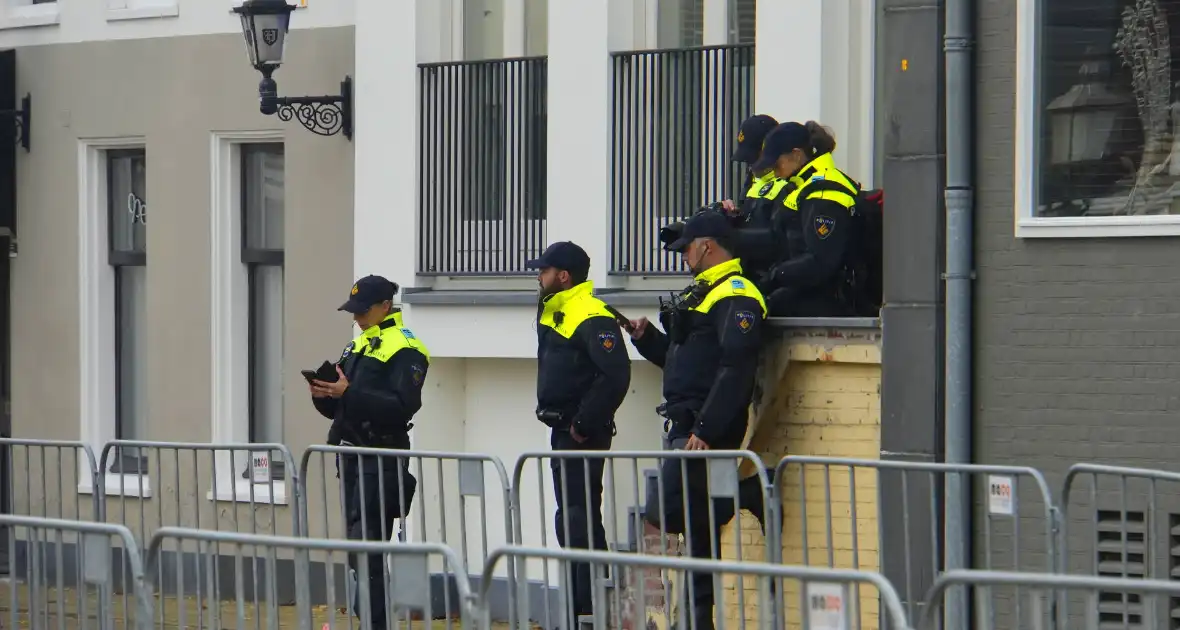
376,391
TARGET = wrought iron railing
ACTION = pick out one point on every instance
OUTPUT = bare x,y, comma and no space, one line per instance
676,118
482,135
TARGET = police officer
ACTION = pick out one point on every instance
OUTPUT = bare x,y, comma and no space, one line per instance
709,355
583,373
371,404
755,244
817,226
751,134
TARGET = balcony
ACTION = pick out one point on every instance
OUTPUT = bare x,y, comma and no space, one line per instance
481,190
676,115
673,120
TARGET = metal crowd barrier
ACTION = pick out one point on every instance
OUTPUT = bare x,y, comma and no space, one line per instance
1039,589
75,574
41,475
233,487
632,486
852,539
1127,527
208,579
447,492
646,593
628,494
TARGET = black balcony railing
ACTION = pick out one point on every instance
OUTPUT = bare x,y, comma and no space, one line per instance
482,144
676,118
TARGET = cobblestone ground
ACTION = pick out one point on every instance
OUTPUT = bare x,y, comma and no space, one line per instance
63,611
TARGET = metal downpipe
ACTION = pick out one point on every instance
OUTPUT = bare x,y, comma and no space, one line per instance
959,197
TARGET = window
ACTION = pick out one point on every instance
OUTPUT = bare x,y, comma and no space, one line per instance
483,29
262,254
536,28
141,9
247,295
1099,108
127,211
681,23
24,13
742,19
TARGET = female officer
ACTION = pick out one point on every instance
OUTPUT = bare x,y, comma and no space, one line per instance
816,227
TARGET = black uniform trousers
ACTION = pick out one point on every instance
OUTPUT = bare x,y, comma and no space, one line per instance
704,542
370,509
571,476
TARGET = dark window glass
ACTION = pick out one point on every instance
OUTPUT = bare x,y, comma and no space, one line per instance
127,222
127,205
1108,103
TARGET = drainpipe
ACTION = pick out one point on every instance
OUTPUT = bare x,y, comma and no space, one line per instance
959,196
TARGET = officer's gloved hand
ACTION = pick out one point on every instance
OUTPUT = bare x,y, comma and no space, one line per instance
669,233
765,279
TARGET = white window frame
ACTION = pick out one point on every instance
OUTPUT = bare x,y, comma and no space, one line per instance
120,10
230,304
96,298
1027,224
24,14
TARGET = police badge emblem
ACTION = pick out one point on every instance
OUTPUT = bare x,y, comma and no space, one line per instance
608,340
745,320
824,227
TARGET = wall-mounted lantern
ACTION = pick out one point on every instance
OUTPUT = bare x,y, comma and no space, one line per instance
21,120
1083,121
264,26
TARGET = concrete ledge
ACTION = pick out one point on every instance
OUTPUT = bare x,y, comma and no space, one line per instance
616,298
470,298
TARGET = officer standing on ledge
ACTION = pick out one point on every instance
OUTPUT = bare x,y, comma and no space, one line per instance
583,373
709,354
371,404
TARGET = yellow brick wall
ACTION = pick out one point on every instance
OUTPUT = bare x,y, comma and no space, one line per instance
825,401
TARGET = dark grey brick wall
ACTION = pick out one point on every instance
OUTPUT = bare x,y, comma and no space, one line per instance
1077,341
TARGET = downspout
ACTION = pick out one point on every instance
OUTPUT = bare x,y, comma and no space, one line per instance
960,198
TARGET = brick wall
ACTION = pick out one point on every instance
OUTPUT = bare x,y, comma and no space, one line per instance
827,403
821,397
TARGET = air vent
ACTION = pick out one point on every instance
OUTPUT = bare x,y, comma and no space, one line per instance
1174,568
1121,553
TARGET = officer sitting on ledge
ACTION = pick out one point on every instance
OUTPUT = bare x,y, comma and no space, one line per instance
708,352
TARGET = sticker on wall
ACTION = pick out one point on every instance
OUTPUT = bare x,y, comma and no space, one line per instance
1000,498
260,467
825,606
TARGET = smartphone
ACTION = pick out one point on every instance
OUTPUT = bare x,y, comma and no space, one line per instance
326,373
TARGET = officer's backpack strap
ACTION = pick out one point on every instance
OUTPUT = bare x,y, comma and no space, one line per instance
698,293
826,185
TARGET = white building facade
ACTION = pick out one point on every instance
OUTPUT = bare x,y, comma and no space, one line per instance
483,130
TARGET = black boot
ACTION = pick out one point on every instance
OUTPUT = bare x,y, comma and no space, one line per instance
750,496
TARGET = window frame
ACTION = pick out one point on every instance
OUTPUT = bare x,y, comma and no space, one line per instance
229,301
96,297
121,10
1027,130
254,258
134,463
